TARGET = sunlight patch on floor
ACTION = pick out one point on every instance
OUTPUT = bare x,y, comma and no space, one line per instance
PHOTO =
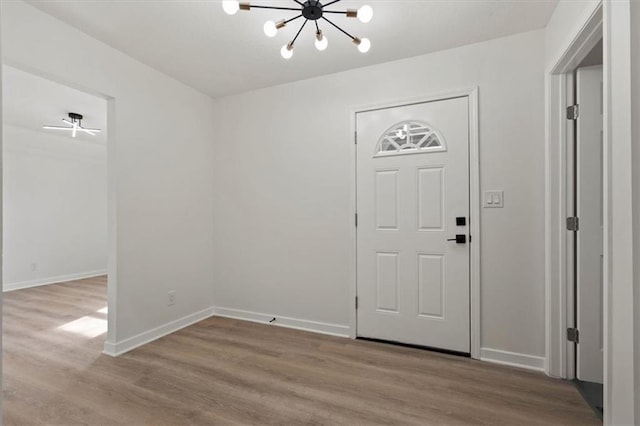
104,310
86,326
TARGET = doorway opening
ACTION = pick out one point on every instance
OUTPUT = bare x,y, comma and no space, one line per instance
56,238
576,221
587,229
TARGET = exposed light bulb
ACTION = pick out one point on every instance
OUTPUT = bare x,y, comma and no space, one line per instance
321,41
270,29
231,7
364,45
365,13
287,51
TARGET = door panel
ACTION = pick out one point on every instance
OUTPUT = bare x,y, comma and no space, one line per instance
387,282
431,285
590,236
387,202
430,198
412,183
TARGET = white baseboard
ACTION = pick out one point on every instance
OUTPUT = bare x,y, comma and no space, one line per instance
52,280
119,348
298,324
513,359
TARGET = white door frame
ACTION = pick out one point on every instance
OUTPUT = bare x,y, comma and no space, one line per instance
474,204
559,200
613,19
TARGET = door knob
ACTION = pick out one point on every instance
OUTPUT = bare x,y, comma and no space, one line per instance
459,239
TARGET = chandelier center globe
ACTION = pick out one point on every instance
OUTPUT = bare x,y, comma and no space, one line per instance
312,10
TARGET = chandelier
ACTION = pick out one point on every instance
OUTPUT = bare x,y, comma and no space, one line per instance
75,125
310,10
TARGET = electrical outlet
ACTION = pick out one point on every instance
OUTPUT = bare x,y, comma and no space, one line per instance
34,267
171,298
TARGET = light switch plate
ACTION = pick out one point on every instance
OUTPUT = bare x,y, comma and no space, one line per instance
493,200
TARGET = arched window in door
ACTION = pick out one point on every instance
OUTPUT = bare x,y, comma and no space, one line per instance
410,137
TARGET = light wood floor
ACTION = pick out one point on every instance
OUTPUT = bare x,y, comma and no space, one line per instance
222,371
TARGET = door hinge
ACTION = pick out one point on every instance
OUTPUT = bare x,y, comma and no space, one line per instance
573,335
356,302
573,112
356,220
573,224
355,138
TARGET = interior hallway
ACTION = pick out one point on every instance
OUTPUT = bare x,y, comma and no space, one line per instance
223,371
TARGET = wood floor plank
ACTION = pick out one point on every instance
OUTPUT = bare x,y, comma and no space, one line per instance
224,371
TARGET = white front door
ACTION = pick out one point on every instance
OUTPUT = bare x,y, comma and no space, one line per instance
412,199
590,242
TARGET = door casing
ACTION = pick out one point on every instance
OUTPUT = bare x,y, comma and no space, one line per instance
559,242
474,204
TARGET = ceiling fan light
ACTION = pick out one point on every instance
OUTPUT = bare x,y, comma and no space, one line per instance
365,14
75,124
287,51
231,7
55,127
321,41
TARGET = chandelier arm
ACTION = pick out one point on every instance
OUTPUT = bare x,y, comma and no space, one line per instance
317,27
339,29
292,19
275,8
299,2
342,12
330,3
299,31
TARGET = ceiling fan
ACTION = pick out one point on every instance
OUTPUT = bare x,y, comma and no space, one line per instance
75,124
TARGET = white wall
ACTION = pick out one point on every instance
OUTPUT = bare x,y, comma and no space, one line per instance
635,98
160,171
55,208
1,210
283,172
